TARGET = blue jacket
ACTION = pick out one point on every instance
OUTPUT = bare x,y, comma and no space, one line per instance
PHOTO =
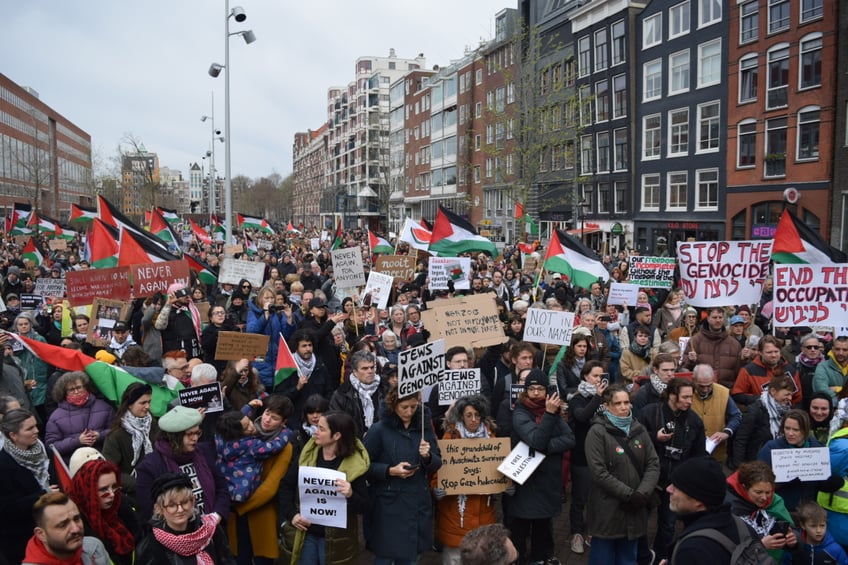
273,326
826,553
793,491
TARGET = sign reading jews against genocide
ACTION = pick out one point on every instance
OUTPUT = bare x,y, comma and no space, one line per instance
320,500
449,269
234,270
548,326
651,272
401,267
151,278
420,367
46,286
206,396
470,466
347,267
457,383
806,464
723,273
379,288
468,321
810,295
84,286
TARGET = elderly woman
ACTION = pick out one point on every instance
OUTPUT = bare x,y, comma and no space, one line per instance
179,532
178,450
81,419
34,368
130,437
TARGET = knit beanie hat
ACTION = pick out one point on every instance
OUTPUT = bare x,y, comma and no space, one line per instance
536,377
702,479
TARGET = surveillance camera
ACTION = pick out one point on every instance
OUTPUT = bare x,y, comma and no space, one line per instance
215,70
208,153
238,14
249,36
217,132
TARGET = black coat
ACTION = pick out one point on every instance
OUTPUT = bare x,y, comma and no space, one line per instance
582,409
687,441
753,433
346,399
700,550
18,492
318,383
151,552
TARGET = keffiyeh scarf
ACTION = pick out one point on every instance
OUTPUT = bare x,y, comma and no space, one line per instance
34,459
366,392
139,430
191,543
775,412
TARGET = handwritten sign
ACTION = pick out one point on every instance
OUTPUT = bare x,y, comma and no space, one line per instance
347,267
420,367
469,320
723,273
623,292
379,287
234,270
233,250
57,244
314,243
84,286
458,383
807,464
521,463
807,295
529,264
651,272
150,278
30,300
470,466
206,396
320,501
549,326
233,346
46,286
401,267
441,270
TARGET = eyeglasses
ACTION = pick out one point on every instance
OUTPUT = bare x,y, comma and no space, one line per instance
815,347
185,505
218,313
535,388
245,286
110,490
77,388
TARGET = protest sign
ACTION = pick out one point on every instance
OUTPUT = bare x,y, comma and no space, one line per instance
203,309
320,501
104,315
420,366
30,300
548,326
206,396
806,295
46,286
233,346
233,250
529,264
468,320
347,267
521,462
457,383
379,288
266,244
401,267
723,273
444,269
470,466
314,243
514,391
57,244
234,270
621,293
84,286
807,464
651,272
150,278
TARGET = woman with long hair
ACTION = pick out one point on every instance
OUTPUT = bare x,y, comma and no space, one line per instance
218,322
132,432
242,382
668,315
568,370
34,368
266,318
762,420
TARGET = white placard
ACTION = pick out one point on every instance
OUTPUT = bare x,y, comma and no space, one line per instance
548,326
723,273
420,366
314,243
347,267
320,501
47,286
379,286
521,463
444,269
808,295
623,292
651,272
458,383
682,342
807,464
233,270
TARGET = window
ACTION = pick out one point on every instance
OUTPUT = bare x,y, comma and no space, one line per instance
569,72
709,63
568,155
601,59
678,20
678,186
708,127
775,147
490,134
808,133
619,96
620,197
811,61
678,132
652,73
510,128
603,152
500,134
707,195
620,148
619,43
709,12
678,72
652,31
478,77
583,56
477,173
602,101
651,193
500,97
545,82
746,141
749,21
477,142
510,164
778,15
748,78
651,137
777,87
585,98
810,10
510,93
490,164
586,154
603,198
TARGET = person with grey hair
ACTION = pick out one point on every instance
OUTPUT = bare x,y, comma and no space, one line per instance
360,395
33,368
203,374
488,545
81,419
712,402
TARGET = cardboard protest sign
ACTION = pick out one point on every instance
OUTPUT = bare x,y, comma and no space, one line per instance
807,464
84,286
47,286
529,264
548,326
420,367
233,346
521,463
347,267
723,273
468,320
57,244
150,278
104,314
470,466
458,383
444,269
623,292
234,270
379,287
651,272
233,250
401,267
206,396
806,295
320,501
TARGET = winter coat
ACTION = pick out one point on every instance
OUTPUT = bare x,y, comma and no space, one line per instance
688,436
645,396
754,378
325,347
277,323
401,516
318,383
718,350
67,422
632,365
828,374
752,435
793,491
346,399
699,550
240,461
748,511
828,552
34,369
119,450
539,496
582,410
151,552
614,479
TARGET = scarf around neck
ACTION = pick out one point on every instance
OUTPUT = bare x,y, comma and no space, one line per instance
481,432
38,554
658,384
34,459
305,366
190,544
139,430
366,392
622,423
641,351
775,412
536,407
586,389
807,362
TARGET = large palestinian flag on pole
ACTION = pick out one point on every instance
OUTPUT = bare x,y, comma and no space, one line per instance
453,235
569,256
795,242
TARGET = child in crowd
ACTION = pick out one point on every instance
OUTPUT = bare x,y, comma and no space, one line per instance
817,546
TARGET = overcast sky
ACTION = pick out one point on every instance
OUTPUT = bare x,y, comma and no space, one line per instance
116,67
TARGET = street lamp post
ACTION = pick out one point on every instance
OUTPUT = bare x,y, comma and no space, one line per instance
582,207
211,155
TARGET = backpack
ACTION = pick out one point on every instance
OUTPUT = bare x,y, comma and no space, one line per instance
749,551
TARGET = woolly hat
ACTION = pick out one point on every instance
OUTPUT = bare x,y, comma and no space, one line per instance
13,270
179,419
702,479
82,456
536,377
168,481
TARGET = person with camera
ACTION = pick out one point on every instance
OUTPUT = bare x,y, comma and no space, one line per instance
266,318
179,322
677,434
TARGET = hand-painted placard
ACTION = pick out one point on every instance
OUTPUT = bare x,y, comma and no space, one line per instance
233,346
348,270
723,273
810,295
150,278
457,383
470,466
420,367
807,464
84,286
548,326
320,500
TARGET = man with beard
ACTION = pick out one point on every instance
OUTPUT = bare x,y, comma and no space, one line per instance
58,536
179,322
714,347
311,378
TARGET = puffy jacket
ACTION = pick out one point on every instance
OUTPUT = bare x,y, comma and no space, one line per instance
67,422
718,350
754,378
828,374
277,323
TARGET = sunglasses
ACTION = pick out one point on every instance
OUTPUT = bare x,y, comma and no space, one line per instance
815,347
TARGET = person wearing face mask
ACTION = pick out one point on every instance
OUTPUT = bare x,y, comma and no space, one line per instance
81,419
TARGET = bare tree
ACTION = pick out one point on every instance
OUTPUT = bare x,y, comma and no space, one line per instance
35,163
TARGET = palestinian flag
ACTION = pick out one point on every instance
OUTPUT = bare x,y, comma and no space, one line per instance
528,248
291,229
170,216
416,235
43,224
251,223
31,253
64,233
133,250
526,223
161,229
338,240
101,246
250,246
206,274
199,233
286,365
17,225
113,217
378,244
569,256
795,242
453,235
82,214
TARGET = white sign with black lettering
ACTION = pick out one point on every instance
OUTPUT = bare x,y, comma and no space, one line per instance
444,269
233,270
458,383
320,501
347,267
420,367
521,463
806,464
54,288
549,326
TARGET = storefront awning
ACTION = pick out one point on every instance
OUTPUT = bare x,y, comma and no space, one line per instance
586,231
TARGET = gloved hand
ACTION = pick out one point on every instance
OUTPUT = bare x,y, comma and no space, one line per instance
637,501
439,493
832,484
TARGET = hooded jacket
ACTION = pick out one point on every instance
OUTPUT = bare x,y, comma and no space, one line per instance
718,350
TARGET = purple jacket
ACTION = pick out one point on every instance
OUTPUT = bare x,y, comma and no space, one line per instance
67,422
